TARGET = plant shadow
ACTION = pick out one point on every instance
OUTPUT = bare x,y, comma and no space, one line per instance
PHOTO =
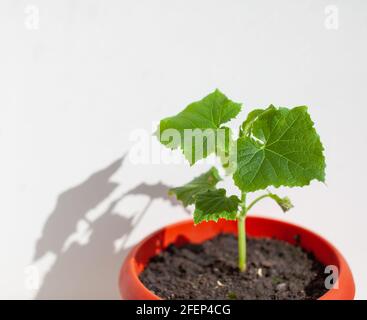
89,270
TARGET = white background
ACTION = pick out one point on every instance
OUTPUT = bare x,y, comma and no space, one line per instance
78,77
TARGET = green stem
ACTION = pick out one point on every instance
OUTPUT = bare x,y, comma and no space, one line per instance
241,244
256,201
241,228
242,235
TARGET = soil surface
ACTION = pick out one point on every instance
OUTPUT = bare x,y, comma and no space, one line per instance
275,270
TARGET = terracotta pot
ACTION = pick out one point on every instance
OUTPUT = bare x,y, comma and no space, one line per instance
183,232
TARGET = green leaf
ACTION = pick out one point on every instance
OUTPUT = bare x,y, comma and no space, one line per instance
252,116
213,205
198,130
285,203
227,152
281,148
200,184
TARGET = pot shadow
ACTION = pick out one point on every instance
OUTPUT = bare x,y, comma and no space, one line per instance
89,270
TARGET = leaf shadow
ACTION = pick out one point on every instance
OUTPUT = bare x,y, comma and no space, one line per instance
90,270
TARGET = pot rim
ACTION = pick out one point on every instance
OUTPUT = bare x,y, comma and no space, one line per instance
345,275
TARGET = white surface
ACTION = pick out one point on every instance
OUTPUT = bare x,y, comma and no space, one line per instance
74,89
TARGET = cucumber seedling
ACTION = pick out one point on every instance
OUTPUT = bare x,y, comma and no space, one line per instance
274,146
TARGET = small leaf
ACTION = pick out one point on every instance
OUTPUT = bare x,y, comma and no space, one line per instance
214,204
200,184
232,295
281,148
197,129
285,203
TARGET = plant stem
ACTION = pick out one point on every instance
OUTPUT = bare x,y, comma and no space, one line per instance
241,228
242,235
257,200
241,244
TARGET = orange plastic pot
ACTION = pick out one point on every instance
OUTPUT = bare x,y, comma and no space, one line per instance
183,232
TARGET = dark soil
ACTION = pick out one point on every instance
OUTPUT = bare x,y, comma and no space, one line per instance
275,270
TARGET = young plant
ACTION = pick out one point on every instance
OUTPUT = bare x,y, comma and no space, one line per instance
275,147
